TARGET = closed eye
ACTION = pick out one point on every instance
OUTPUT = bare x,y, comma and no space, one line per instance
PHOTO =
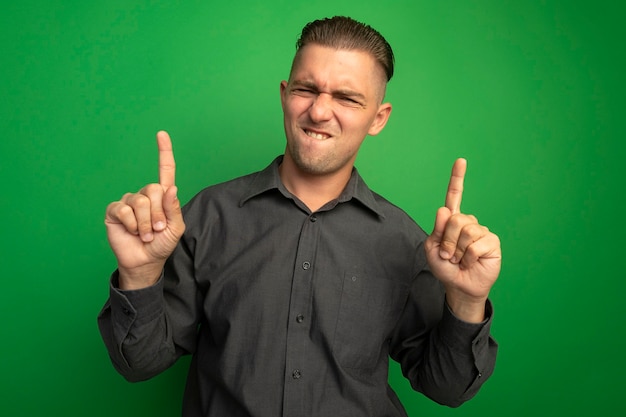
303,92
350,101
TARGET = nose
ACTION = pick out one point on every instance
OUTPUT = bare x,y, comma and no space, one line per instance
321,108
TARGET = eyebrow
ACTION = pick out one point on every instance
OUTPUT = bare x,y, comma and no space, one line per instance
344,92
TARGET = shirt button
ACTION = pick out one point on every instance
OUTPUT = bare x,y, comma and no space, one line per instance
306,265
300,318
296,374
313,218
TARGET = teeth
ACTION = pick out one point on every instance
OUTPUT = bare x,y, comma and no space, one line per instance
315,135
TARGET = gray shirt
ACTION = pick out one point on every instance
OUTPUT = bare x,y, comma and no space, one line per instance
293,313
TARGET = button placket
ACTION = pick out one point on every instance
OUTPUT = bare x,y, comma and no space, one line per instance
296,358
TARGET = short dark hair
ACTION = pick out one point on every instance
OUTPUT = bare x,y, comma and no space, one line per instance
346,33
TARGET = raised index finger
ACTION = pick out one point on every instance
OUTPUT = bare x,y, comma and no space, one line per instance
455,187
167,166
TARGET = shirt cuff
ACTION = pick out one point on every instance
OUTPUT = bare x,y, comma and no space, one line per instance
462,336
135,306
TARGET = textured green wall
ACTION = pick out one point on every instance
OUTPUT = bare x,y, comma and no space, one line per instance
530,92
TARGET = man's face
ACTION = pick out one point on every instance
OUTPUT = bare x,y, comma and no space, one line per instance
330,103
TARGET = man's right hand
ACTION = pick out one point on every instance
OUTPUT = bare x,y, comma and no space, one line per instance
144,228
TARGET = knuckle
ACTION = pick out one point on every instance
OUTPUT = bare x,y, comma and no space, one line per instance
151,188
153,191
448,245
456,220
111,211
126,198
140,201
474,231
461,219
124,210
112,207
471,251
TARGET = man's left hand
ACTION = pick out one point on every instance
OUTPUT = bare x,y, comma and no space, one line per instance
464,255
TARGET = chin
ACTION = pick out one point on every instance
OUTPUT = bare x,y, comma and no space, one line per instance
312,163
310,167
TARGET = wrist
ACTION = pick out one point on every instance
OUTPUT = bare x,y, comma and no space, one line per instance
466,308
140,277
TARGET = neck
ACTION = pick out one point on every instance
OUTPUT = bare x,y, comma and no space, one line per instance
313,190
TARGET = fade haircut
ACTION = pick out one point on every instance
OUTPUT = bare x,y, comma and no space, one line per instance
342,32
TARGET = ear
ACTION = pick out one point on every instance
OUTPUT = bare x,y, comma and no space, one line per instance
380,120
283,92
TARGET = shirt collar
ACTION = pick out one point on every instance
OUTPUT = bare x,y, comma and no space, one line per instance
269,179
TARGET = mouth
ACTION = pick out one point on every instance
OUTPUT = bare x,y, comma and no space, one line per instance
316,135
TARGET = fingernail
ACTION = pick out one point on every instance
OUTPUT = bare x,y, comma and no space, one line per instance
147,237
159,226
454,260
444,255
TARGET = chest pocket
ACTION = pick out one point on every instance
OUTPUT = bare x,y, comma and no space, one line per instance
369,310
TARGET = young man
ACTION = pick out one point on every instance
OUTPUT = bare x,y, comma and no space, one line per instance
291,287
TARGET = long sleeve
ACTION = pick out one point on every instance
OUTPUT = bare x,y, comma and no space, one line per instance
295,311
448,361
146,331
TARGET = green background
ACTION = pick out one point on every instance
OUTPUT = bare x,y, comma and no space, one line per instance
530,92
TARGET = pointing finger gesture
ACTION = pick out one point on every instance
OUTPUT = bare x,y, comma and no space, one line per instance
144,228
464,255
167,165
455,186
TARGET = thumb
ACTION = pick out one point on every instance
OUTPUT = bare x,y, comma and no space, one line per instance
173,212
443,215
